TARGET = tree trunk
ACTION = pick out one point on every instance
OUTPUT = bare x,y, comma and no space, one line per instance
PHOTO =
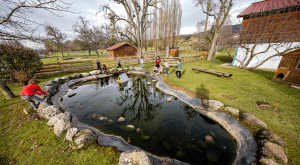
62,53
97,52
212,46
140,53
6,90
90,51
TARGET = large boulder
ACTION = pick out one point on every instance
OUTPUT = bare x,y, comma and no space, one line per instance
130,68
50,111
252,120
84,138
95,72
51,83
85,74
65,78
274,150
267,134
61,127
134,157
232,111
119,69
76,75
212,104
59,80
113,70
50,89
268,161
71,132
121,119
66,117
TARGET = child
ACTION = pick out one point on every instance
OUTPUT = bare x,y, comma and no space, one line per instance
167,67
104,68
142,62
29,91
155,69
119,63
160,69
157,61
179,67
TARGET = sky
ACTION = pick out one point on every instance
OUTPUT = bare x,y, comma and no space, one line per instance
88,9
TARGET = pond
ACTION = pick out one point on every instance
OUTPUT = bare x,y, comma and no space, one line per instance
163,128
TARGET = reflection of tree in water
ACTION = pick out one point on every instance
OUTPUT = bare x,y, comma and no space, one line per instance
145,110
190,113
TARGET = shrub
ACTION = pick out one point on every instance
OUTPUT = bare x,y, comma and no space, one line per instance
19,61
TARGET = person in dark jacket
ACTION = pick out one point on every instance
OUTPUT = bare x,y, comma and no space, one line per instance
98,65
104,68
28,93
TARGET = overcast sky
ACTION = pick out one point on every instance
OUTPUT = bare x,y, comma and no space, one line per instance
190,15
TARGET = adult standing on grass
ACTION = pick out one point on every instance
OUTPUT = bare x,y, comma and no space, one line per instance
98,65
179,67
167,67
119,63
157,61
142,62
28,93
104,68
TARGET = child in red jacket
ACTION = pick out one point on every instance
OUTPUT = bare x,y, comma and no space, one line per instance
157,62
28,93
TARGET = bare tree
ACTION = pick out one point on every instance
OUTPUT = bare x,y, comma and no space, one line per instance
270,34
56,37
137,12
84,33
223,9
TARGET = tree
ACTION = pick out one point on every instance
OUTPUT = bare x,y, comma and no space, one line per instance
223,8
20,61
56,37
270,34
136,20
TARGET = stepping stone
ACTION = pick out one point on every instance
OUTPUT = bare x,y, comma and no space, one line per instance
94,116
102,118
121,119
110,121
169,99
130,127
267,134
71,94
148,83
263,105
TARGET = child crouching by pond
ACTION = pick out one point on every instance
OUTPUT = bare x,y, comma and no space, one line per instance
28,93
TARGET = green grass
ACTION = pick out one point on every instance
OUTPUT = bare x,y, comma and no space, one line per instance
247,87
19,133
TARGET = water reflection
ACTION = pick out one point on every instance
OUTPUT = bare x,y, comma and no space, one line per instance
140,106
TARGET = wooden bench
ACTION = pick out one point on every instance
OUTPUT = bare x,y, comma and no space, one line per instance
219,73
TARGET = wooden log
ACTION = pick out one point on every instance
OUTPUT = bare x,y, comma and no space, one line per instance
219,73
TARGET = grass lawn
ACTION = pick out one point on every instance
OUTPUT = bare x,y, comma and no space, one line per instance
241,91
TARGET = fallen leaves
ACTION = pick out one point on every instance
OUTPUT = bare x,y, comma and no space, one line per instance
65,149
35,146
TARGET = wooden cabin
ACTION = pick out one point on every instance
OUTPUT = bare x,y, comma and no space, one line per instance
174,53
121,50
265,22
288,70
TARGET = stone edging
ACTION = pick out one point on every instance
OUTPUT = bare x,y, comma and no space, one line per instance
246,146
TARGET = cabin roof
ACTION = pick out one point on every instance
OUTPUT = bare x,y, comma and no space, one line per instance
268,5
117,46
173,50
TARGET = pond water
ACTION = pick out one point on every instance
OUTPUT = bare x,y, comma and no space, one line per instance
166,129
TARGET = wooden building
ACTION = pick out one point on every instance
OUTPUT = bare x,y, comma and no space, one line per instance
174,53
121,50
266,22
288,70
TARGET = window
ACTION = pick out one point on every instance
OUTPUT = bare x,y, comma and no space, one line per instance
298,64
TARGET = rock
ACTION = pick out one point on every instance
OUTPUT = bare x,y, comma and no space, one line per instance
169,99
84,138
125,68
139,130
94,116
268,161
212,104
166,145
71,94
145,137
50,83
180,154
110,121
61,126
71,133
232,111
136,68
134,158
130,68
130,127
50,111
213,157
85,74
50,89
121,119
263,105
119,69
66,117
102,118
95,72
59,80
76,75
209,139
267,134
192,146
148,83
66,78
113,70
272,149
252,120
153,80
212,133
201,144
